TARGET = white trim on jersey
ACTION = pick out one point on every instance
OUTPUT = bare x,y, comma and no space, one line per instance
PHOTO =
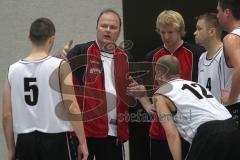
236,31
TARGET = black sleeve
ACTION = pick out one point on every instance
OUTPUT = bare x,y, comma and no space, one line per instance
79,49
76,53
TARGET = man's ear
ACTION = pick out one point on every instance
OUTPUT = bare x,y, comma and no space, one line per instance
227,12
212,31
51,40
29,38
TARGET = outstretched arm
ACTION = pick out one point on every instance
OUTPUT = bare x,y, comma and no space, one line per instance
139,91
166,119
8,121
69,95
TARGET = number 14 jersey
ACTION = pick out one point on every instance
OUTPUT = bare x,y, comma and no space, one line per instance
214,74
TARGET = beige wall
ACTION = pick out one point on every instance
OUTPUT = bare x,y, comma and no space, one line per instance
74,19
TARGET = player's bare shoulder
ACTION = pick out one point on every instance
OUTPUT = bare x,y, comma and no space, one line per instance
232,38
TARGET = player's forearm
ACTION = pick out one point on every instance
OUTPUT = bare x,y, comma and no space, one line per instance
8,132
74,116
174,143
235,88
79,130
145,101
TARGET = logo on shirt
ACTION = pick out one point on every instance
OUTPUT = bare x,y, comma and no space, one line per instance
94,71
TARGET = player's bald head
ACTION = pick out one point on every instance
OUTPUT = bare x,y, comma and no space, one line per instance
169,65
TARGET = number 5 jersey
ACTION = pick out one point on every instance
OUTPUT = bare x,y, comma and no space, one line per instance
35,93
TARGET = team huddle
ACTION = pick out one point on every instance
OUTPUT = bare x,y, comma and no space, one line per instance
69,106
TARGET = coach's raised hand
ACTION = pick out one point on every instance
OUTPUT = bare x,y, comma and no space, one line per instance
63,53
67,47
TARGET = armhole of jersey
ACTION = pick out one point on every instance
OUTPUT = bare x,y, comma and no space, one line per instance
235,34
8,75
226,60
174,112
220,71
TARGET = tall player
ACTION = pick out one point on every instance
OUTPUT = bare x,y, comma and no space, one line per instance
213,73
229,19
29,102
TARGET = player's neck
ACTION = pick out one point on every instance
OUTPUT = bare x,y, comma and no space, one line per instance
174,47
37,53
213,49
173,77
235,24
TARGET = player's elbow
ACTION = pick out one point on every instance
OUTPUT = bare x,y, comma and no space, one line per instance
6,120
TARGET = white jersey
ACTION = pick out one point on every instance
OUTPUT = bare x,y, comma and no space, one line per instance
214,74
195,105
236,31
229,74
109,80
33,100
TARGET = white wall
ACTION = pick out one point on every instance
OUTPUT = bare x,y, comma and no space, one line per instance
73,19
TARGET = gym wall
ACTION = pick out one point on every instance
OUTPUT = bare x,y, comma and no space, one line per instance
73,19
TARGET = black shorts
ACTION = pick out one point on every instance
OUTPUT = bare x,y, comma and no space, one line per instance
44,146
216,140
108,148
159,149
234,109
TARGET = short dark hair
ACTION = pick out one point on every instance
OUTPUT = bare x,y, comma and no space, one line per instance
233,5
212,21
41,30
109,11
